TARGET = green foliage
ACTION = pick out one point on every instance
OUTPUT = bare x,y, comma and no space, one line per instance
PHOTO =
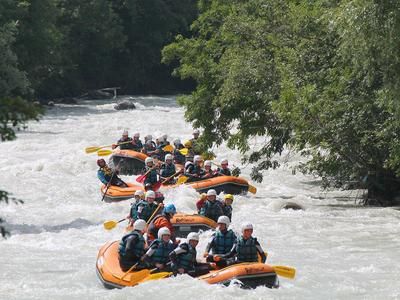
319,76
5,197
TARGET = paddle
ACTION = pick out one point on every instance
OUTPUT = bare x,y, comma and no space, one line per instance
97,148
184,151
156,276
168,148
182,179
285,271
168,178
104,152
108,225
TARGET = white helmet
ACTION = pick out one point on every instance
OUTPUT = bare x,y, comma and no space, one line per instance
211,192
193,236
168,156
177,141
165,137
196,131
246,225
148,137
125,132
224,161
198,158
224,220
207,163
150,194
148,160
137,135
139,225
163,231
139,193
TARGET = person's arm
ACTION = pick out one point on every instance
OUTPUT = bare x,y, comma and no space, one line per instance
130,244
102,178
261,252
210,244
231,253
173,256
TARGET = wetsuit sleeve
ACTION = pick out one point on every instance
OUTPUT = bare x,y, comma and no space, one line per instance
261,252
180,250
130,244
210,244
152,249
231,253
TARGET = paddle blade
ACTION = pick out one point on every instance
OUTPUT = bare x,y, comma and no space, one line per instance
138,276
157,276
91,149
157,186
141,178
184,151
104,152
182,179
108,225
252,189
168,148
284,271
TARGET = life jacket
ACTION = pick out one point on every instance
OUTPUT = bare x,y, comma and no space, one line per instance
188,259
138,249
227,209
162,251
147,211
167,170
107,171
226,172
133,211
247,250
137,146
150,147
151,177
126,146
212,210
223,242
179,158
158,222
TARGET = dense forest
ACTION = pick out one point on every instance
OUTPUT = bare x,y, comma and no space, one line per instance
319,77
59,48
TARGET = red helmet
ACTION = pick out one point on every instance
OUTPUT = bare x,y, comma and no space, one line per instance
101,162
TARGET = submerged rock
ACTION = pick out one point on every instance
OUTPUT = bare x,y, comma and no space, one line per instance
124,105
292,205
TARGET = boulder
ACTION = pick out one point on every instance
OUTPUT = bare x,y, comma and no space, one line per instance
124,105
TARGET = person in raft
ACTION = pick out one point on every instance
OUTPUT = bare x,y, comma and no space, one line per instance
183,258
132,247
147,207
160,221
179,158
149,146
107,176
195,171
208,172
132,217
224,170
124,143
212,208
245,249
152,176
168,169
221,242
158,253
137,143
195,140
227,206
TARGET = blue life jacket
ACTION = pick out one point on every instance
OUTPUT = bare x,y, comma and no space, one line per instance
212,210
162,251
223,242
104,174
168,170
137,251
246,250
187,260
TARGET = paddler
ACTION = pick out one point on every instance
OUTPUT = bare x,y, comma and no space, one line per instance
107,176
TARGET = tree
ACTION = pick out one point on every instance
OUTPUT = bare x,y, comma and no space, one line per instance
14,112
321,77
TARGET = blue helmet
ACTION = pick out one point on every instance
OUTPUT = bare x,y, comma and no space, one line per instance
170,209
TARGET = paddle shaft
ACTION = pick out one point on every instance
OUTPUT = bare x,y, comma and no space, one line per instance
168,178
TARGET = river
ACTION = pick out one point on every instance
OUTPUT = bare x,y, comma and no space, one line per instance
339,249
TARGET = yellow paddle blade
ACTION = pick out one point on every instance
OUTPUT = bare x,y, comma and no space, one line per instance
138,276
184,151
108,225
182,179
252,189
91,149
104,152
157,276
284,271
168,148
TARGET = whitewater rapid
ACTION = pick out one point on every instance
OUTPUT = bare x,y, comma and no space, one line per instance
339,249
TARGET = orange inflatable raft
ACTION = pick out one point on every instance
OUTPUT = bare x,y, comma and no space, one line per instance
227,184
248,275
